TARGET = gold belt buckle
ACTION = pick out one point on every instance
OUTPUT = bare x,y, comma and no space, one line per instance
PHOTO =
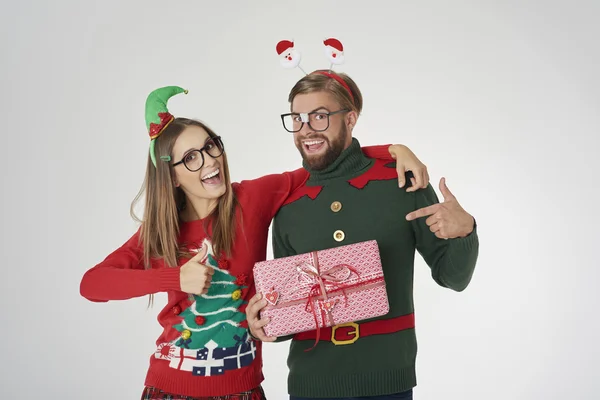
353,333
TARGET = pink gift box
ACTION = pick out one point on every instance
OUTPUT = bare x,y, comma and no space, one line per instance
322,288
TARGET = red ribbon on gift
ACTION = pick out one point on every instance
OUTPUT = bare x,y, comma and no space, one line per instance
323,281
323,284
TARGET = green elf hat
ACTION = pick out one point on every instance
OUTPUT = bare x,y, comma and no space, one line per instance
158,116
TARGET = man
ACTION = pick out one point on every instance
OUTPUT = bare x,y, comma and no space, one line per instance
348,199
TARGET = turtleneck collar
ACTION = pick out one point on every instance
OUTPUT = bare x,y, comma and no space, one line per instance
350,164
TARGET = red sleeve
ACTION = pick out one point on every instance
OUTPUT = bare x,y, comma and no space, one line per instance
122,276
268,193
381,152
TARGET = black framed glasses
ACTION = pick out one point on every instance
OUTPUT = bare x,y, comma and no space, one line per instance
318,121
194,159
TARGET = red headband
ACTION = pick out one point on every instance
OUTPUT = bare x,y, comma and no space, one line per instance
337,78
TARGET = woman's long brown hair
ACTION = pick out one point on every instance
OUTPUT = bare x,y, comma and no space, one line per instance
159,231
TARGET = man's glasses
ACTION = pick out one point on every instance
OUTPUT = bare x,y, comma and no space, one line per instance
194,160
318,121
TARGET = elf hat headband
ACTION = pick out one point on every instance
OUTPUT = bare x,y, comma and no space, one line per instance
158,116
334,50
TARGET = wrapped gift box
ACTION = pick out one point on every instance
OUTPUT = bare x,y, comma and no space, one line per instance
322,288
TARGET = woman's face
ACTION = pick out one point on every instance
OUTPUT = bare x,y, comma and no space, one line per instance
207,182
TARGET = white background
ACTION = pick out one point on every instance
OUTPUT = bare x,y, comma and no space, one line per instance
499,97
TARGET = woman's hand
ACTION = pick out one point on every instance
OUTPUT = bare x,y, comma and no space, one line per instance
194,277
255,323
406,161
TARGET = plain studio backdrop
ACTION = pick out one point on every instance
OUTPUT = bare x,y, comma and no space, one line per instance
501,98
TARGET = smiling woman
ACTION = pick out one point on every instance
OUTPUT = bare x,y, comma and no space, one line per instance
199,239
200,177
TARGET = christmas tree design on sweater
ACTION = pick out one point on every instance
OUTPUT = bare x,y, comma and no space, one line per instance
214,337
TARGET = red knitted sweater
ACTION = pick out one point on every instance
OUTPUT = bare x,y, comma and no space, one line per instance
204,349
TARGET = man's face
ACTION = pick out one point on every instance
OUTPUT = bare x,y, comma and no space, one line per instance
320,149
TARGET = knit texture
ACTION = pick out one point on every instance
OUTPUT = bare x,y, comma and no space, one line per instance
204,349
370,206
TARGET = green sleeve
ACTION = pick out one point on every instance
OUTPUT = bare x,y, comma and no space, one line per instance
452,261
280,249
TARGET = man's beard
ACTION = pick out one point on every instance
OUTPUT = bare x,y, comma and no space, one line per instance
335,147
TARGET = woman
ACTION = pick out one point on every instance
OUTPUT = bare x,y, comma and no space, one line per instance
198,241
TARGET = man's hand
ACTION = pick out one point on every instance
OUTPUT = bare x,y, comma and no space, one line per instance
406,160
447,220
255,324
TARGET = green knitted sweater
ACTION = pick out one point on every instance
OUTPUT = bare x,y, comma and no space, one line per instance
357,199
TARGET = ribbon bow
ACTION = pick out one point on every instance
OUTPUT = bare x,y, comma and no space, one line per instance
322,281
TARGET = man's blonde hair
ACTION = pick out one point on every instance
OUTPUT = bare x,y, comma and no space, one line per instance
317,82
